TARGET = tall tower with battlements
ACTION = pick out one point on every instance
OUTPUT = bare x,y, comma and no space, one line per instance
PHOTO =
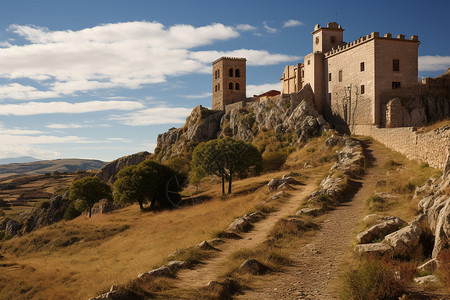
228,81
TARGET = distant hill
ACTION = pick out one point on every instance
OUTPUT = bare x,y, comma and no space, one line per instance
49,166
22,159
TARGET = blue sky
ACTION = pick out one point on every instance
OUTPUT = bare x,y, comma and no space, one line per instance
102,78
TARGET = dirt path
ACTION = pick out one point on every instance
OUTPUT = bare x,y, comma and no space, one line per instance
317,265
212,268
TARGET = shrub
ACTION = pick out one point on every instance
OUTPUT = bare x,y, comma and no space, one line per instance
372,280
391,164
424,165
71,212
444,266
376,203
44,205
273,161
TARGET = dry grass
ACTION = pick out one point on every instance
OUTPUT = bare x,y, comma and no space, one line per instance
434,126
106,254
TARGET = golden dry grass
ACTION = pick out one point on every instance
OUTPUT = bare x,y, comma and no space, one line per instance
37,266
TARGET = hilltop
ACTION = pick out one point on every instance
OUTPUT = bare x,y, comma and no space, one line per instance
49,166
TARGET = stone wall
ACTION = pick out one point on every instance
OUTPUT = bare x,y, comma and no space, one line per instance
432,147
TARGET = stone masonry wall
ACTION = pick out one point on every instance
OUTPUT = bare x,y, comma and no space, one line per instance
432,147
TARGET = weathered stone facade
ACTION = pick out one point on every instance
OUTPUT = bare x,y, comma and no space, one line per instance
350,79
229,81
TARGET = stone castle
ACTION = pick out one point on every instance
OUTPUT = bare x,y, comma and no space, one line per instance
353,83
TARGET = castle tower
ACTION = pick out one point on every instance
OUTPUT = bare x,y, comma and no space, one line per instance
228,81
326,38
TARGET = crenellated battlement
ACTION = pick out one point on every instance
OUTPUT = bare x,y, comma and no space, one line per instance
229,58
367,38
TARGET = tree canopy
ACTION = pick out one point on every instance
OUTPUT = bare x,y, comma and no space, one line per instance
225,158
150,181
90,190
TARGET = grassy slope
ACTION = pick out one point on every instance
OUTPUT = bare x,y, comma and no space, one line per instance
114,248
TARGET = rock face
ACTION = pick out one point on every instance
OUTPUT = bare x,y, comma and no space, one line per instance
379,231
378,249
35,218
292,114
435,206
109,172
102,207
406,241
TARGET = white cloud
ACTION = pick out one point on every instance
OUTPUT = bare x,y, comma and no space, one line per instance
434,63
5,44
37,108
269,29
292,23
17,131
21,92
8,151
67,126
262,88
254,57
199,96
11,139
154,116
245,27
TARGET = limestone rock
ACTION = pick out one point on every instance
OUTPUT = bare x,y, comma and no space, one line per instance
406,241
205,246
254,267
377,249
239,225
163,271
312,211
111,295
278,195
102,207
229,235
430,279
253,217
177,264
379,231
108,173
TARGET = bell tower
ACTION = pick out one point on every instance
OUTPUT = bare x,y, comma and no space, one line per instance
228,81
326,38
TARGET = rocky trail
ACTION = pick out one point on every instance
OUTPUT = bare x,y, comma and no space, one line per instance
209,270
315,265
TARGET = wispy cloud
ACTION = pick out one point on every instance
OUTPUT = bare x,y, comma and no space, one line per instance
198,96
17,91
68,126
154,116
254,57
245,27
268,28
434,63
292,23
17,131
38,108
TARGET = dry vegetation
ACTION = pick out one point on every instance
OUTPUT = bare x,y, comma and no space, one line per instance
393,196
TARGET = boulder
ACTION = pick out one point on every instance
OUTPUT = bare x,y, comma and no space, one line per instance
102,207
254,217
254,267
379,231
278,195
311,211
376,249
430,279
406,241
205,246
239,225
229,235
177,264
163,271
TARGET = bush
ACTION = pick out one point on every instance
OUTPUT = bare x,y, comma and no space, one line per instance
71,212
273,161
444,266
376,203
44,205
372,280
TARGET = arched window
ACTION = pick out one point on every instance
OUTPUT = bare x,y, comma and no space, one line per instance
215,74
218,73
237,73
231,72
237,86
215,89
230,86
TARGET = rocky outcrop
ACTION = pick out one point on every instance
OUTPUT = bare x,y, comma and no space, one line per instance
292,114
435,206
283,182
108,173
380,230
35,218
254,267
102,207
406,242
375,249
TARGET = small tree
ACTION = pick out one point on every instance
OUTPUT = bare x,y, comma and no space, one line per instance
225,158
149,181
90,190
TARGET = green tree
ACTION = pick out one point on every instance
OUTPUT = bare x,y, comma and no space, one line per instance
150,181
225,158
90,190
